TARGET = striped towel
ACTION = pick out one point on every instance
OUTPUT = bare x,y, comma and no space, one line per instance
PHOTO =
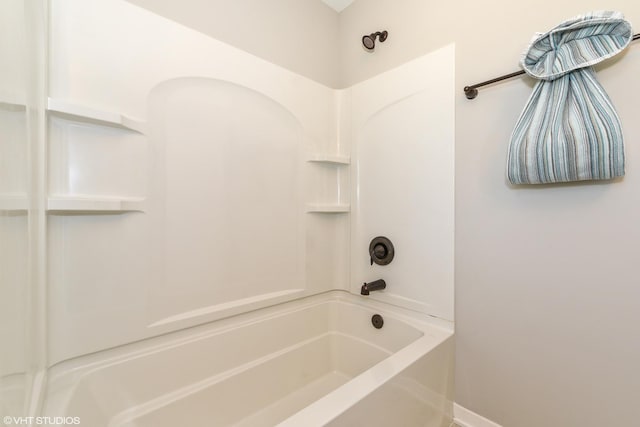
569,129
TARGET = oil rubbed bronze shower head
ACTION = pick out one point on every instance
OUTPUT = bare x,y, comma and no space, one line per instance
369,41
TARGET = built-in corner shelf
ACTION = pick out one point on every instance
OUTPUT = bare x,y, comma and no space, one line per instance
328,208
81,113
329,159
92,204
327,178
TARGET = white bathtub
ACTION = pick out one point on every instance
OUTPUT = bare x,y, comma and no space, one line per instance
312,362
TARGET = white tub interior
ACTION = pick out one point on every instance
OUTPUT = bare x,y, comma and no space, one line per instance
257,369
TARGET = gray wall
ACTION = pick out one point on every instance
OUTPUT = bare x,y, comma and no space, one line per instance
547,278
300,35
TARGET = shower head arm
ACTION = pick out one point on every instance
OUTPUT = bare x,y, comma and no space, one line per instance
382,35
369,41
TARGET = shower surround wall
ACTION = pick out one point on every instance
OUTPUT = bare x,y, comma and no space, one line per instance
22,195
188,204
402,128
190,181
14,226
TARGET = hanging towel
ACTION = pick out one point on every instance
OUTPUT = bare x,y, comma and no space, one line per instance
569,129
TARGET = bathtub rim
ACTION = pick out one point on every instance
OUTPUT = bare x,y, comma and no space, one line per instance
65,376
419,320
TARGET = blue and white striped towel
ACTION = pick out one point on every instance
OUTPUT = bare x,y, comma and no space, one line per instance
569,129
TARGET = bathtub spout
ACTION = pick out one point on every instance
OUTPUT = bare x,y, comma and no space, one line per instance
372,286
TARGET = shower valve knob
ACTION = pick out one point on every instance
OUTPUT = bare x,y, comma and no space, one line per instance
381,251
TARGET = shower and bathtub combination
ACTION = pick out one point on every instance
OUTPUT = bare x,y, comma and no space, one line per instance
230,243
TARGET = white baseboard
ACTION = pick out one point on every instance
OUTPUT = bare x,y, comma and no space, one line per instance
466,418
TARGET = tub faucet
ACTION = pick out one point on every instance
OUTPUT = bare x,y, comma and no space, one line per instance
372,286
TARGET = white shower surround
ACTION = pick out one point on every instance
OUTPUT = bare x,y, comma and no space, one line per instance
154,62
152,71
170,152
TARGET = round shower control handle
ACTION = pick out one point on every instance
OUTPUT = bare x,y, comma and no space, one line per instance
381,251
